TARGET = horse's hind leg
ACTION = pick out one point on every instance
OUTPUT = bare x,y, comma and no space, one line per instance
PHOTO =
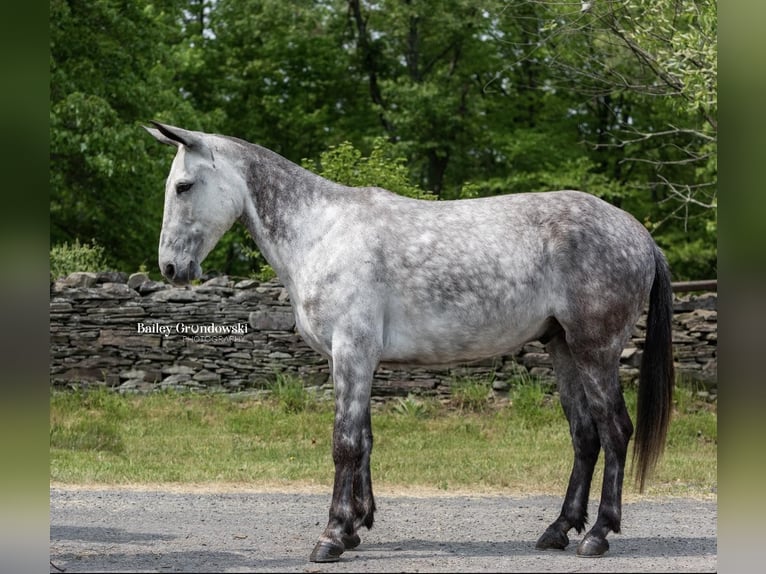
607,407
585,441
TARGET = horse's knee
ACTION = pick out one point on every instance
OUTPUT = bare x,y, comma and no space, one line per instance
347,452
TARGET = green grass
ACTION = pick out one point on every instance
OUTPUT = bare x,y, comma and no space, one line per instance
98,437
471,395
290,394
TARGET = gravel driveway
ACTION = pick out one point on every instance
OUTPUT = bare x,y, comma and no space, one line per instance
145,530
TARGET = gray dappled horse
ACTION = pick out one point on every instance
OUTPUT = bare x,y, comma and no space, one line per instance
375,277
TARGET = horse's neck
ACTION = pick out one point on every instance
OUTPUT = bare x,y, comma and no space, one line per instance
281,214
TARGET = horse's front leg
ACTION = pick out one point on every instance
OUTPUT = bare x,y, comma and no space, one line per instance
352,503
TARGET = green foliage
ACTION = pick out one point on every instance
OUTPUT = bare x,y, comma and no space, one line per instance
236,254
290,394
446,96
532,400
528,398
681,40
281,75
112,66
381,168
646,77
412,406
472,395
68,258
266,273
534,406
690,259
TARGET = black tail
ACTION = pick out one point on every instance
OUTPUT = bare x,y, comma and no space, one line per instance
655,391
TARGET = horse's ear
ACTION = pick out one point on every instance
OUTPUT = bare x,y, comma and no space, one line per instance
160,137
174,136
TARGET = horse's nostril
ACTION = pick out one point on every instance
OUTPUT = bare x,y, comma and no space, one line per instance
170,271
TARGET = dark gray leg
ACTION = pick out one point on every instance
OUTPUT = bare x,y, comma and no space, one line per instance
593,401
586,444
352,502
364,502
615,429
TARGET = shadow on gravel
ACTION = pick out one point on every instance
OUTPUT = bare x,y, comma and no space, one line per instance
415,550
637,546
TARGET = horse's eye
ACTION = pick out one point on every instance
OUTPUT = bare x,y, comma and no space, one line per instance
183,187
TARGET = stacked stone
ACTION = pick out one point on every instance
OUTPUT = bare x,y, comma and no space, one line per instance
122,332
695,340
111,332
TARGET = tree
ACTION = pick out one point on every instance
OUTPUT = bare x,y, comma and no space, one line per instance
614,98
279,73
647,75
112,64
424,62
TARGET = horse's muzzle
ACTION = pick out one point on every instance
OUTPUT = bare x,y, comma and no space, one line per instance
181,274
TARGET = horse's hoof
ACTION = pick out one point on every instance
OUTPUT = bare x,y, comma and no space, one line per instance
326,552
553,539
592,547
351,541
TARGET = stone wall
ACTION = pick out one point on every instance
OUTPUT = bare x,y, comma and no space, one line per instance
137,335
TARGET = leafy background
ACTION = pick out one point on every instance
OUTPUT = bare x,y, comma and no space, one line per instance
447,99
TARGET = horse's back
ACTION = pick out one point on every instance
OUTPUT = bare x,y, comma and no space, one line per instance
532,242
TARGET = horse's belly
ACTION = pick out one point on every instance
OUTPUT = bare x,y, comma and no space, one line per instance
443,343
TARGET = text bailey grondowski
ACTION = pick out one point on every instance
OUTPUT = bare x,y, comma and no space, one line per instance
193,329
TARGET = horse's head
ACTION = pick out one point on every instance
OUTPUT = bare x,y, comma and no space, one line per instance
204,196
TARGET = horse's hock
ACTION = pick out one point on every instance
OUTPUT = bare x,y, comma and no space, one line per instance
137,335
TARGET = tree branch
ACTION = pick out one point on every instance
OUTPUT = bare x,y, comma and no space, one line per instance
369,63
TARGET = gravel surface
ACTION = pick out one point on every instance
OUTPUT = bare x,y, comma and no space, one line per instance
161,530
